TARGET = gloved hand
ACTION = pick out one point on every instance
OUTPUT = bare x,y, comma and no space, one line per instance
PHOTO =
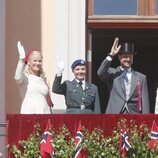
21,50
60,65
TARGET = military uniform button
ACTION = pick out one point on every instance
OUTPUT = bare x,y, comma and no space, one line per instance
82,107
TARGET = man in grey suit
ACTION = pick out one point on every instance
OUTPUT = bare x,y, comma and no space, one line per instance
128,88
81,97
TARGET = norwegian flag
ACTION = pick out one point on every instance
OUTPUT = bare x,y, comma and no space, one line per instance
124,144
78,142
46,148
154,136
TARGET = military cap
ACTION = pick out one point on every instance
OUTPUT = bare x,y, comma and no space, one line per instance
78,62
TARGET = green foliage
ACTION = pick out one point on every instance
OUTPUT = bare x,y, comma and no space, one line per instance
95,143
63,143
30,147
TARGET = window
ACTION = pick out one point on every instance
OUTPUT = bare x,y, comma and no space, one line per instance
157,7
123,7
115,7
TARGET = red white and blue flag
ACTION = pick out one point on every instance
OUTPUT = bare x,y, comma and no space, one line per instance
46,148
78,143
124,144
154,136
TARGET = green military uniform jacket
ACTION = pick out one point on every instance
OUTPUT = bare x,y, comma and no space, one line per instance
76,97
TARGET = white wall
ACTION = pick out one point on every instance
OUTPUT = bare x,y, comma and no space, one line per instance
2,73
69,37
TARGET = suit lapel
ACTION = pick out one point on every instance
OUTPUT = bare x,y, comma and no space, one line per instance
87,86
75,83
121,86
120,79
134,81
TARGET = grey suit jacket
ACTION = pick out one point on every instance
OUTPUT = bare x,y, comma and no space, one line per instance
115,81
76,96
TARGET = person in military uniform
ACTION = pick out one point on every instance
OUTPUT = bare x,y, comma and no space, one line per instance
81,97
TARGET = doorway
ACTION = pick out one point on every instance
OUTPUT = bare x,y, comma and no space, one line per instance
146,60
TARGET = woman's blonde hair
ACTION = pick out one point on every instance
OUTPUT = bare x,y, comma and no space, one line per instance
27,69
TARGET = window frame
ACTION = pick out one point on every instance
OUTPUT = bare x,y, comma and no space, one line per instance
146,16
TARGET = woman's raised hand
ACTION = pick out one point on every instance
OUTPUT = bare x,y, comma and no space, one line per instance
20,50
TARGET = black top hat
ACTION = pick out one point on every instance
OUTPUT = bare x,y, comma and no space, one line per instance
127,48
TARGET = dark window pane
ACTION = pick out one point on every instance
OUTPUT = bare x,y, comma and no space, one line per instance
157,7
115,7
